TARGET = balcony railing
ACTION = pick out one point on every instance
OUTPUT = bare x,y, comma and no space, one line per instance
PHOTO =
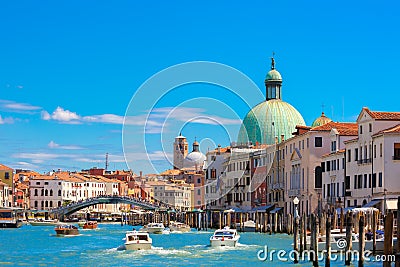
364,161
278,186
294,192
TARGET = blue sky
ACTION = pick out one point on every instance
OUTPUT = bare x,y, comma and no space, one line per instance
69,69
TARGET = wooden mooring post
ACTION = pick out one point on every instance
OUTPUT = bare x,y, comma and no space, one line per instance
304,226
349,245
295,239
374,223
388,241
328,242
361,241
398,234
301,235
314,240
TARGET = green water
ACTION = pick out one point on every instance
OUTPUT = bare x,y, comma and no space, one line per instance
39,246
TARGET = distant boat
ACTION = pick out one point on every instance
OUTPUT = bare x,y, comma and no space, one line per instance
224,237
9,218
179,227
81,223
135,240
66,229
248,226
90,225
43,222
153,228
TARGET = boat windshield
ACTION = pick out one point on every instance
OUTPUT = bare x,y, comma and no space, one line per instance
223,233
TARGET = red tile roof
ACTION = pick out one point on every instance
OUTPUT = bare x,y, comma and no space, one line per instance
5,168
394,129
344,128
379,115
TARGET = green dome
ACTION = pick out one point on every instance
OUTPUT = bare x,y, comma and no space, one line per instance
269,119
273,75
321,120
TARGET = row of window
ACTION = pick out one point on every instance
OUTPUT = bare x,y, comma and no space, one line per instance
332,165
236,166
363,157
100,185
365,181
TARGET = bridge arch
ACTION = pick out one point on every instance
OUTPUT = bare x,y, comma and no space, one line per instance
74,207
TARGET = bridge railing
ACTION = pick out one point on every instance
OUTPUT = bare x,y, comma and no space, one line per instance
97,200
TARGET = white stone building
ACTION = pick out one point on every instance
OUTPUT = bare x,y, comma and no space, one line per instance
4,195
373,161
178,196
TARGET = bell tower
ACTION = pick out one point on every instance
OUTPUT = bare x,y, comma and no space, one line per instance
180,151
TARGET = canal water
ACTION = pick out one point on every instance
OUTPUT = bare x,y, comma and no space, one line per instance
39,246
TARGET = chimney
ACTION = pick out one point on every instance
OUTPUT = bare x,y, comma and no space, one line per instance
282,137
219,149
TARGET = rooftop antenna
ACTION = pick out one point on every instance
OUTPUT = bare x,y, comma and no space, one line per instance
106,161
343,108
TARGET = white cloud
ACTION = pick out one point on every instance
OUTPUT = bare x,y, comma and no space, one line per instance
54,145
7,120
21,107
64,115
105,118
38,156
25,165
45,115
13,106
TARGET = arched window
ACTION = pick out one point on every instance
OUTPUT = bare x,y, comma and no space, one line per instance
46,192
59,192
42,206
36,192
51,192
42,192
59,203
36,204
364,202
318,177
47,203
51,204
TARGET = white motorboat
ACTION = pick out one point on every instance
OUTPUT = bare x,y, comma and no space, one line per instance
248,226
179,227
135,240
44,222
224,237
153,228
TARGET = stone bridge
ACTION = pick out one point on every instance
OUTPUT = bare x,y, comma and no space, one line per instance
73,207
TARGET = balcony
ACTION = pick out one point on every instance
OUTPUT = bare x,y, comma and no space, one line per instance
294,192
277,186
364,161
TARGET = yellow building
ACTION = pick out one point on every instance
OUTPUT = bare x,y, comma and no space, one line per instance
6,175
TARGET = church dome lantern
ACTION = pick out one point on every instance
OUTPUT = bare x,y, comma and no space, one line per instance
272,118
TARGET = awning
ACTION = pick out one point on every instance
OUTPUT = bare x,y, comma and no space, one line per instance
234,209
372,203
345,210
391,204
262,208
276,210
